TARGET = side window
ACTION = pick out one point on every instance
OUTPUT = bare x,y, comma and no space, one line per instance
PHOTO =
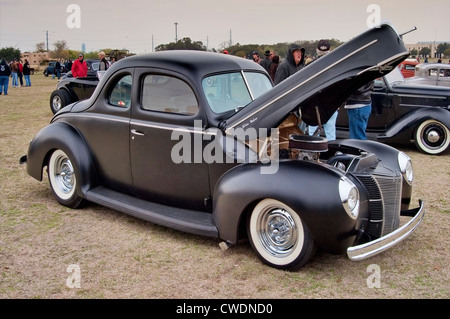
433,72
121,93
168,94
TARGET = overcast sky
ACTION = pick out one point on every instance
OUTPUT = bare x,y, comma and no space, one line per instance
141,25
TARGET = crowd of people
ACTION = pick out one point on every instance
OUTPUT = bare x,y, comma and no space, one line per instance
358,106
18,72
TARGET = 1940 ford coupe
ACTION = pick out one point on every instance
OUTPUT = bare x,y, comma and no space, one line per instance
203,143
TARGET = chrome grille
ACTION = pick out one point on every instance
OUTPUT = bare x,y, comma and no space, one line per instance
384,203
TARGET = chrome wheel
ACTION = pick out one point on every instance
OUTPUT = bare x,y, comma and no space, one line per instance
432,137
62,178
56,103
62,175
278,235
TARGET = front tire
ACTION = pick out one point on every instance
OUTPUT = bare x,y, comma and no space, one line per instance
278,236
63,180
432,137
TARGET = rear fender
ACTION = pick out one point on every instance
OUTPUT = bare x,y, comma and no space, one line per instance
404,128
65,137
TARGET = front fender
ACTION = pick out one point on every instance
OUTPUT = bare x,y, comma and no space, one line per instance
311,189
65,137
403,129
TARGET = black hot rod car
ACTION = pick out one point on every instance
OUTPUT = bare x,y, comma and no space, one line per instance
201,142
404,111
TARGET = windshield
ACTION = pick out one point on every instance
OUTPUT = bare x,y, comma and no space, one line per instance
232,91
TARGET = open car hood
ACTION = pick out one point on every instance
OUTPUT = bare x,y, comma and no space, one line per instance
322,87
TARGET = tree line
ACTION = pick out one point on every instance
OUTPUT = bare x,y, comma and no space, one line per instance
62,51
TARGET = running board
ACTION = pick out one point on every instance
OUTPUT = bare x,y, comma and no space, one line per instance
189,221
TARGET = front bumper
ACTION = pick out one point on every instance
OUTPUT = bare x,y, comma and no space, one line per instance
381,244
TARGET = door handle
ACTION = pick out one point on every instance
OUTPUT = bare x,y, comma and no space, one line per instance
133,131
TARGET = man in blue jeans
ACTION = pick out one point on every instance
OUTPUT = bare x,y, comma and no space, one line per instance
359,108
5,72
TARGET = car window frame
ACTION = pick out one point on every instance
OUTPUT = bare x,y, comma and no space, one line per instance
112,86
142,79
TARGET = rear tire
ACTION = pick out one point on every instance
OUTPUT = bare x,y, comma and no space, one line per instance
63,181
278,235
59,99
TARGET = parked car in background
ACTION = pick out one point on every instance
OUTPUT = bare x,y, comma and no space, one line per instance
432,74
403,111
201,142
70,89
51,68
408,67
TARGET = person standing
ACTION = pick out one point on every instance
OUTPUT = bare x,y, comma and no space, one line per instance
13,67
26,73
359,108
104,65
294,62
57,70
323,47
255,57
267,61
5,72
79,67
274,66
20,72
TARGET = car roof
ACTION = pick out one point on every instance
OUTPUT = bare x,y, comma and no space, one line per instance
189,62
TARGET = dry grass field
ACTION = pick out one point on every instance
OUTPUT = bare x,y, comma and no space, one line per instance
122,257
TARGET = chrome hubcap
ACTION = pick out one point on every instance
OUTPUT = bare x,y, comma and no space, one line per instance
65,175
277,232
57,102
433,136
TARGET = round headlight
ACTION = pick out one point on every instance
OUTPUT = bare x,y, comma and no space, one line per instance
349,197
405,164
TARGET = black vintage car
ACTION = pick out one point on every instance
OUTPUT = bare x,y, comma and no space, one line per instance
404,111
70,89
201,142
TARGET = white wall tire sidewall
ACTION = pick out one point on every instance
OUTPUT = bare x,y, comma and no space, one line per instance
259,209
53,172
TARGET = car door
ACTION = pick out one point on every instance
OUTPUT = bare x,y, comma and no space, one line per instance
384,102
105,126
383,110
165,142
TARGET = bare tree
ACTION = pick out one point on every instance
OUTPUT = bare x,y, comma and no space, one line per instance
40,47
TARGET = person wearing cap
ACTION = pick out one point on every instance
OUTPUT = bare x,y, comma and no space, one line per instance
267,61
255,56
295,61
323,47
104,65
79,67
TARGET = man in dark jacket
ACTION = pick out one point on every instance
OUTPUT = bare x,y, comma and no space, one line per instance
295,61
267,61
5,72
359,107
